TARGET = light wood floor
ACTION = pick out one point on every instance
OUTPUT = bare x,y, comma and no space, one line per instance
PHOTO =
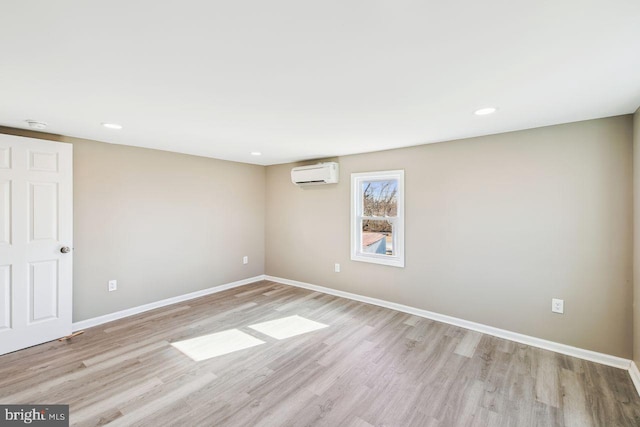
371,367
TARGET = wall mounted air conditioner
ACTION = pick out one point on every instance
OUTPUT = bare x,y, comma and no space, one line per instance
322,173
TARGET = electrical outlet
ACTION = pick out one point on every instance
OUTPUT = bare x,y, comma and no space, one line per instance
337,268
557,305
245,260
113,285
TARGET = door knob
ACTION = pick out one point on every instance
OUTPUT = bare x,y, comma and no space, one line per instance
65,249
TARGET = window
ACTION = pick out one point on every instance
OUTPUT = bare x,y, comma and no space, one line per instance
377,217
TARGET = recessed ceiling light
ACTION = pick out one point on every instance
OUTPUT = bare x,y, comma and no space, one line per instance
112,125
256,153
33,124
485,111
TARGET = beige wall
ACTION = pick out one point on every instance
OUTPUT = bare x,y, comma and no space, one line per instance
496,226
162,224
636,237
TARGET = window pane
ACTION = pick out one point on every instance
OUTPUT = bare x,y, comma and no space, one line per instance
377,237
380,198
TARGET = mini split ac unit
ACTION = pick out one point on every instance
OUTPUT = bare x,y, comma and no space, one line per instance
322,173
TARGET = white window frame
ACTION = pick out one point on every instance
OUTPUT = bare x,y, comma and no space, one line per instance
396,260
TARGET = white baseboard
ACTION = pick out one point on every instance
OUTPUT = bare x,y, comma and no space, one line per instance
580,353
84,324
635,375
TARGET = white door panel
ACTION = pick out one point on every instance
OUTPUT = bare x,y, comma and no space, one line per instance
5,157
43,211
5,297
43,291
39,161
36,207
5,212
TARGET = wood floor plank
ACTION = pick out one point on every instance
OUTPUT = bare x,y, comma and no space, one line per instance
547,376
468,344
359,422
145,320
370,366
146,411
111,403
574,402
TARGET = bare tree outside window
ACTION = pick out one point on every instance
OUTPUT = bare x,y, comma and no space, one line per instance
379,200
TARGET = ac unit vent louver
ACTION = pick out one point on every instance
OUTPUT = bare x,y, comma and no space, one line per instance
322,173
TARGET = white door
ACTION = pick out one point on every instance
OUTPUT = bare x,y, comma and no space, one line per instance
36,208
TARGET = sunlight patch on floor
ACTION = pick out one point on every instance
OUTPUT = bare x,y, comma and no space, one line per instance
218,344
288,327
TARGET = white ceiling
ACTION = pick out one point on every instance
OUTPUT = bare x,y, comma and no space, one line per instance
310,79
